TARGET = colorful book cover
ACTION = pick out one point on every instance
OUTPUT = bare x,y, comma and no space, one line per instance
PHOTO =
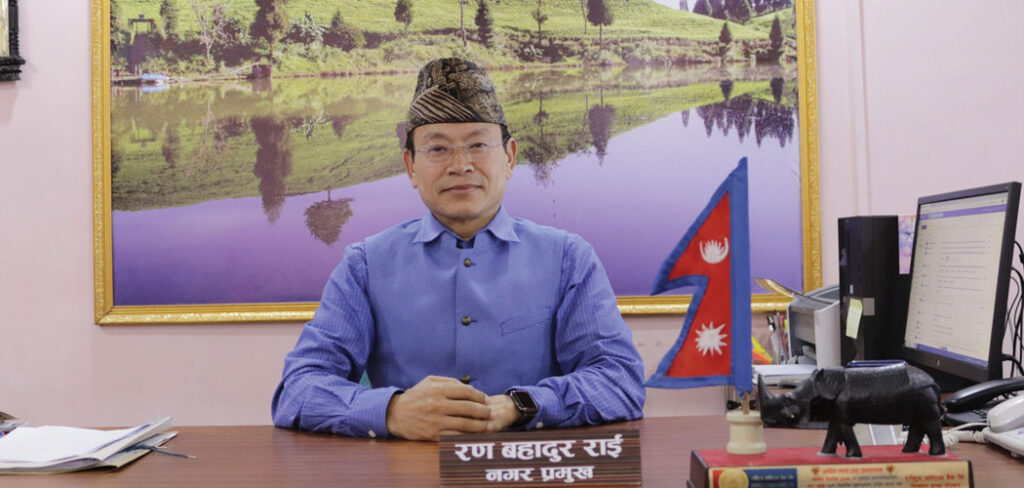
803,467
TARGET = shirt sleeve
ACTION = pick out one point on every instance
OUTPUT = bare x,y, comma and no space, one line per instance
319,389
602,378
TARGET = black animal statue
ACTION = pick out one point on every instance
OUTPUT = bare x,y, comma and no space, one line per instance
888,393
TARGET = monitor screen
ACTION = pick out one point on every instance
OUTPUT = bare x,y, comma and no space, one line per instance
960,271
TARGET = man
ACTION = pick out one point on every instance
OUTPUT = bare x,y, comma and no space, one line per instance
466,320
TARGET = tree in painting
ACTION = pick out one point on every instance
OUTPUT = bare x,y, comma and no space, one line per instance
325,218
403,13
273,163
737,10
600,15
484,22
270,24
540,17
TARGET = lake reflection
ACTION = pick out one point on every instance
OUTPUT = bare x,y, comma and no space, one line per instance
236,192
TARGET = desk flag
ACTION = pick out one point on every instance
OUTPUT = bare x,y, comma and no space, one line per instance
714,347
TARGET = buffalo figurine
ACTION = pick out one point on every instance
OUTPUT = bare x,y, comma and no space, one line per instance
887,393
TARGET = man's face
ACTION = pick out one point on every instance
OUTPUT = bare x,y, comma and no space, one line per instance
465,191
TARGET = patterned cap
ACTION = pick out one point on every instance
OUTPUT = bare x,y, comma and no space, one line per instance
454,90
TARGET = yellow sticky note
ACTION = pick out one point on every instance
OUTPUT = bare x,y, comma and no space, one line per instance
853,317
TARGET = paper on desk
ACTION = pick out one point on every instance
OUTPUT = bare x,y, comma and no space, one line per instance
784,369
53,443
95,448
776,374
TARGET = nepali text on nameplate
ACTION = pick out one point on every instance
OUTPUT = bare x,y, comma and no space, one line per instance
574,457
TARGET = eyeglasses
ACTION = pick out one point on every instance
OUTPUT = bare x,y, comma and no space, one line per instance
443,153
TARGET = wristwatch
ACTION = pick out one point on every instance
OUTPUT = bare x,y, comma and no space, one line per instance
525,405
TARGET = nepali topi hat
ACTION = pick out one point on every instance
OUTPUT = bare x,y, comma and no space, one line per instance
453,90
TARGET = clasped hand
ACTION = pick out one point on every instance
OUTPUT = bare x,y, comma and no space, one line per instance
439,405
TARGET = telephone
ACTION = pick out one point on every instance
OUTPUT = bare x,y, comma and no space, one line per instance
1006,426
971,404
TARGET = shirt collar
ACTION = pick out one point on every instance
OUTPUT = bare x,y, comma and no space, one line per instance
501,226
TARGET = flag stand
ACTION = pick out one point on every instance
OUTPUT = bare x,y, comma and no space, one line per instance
746,432
714,257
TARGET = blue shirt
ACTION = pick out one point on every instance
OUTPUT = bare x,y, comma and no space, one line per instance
518,306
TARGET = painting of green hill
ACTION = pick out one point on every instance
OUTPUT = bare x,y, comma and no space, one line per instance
632,18
192,38
247,149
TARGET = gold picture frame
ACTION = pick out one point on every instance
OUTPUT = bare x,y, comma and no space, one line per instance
108,313
5,28
10,54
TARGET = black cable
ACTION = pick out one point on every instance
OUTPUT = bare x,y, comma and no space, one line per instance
1015,314
1018,305
1007,357
1013,323
1009,324
1019,325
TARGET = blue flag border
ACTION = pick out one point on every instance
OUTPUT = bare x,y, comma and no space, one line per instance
741,377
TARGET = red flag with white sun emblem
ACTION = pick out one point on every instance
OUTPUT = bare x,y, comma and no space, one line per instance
714,347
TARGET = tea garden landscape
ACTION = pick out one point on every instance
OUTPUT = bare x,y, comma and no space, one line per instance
276,101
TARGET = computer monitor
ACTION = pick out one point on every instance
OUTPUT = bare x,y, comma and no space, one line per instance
960,273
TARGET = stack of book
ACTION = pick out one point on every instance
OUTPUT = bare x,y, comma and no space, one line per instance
55,449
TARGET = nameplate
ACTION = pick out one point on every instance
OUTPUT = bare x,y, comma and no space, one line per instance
550,458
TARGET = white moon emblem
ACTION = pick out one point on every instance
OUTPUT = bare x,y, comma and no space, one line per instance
713,251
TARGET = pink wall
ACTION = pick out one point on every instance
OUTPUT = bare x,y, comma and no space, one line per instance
890,113
915,98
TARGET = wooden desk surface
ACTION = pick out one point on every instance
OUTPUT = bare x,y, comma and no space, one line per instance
258,456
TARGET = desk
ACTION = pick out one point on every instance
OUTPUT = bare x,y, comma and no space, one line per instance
258,456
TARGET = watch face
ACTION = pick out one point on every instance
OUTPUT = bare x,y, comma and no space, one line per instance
524,401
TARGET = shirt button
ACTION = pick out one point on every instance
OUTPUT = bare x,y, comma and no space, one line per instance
466,379
372,434
467,262
467,320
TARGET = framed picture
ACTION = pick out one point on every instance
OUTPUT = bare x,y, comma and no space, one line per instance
10,58
240,146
